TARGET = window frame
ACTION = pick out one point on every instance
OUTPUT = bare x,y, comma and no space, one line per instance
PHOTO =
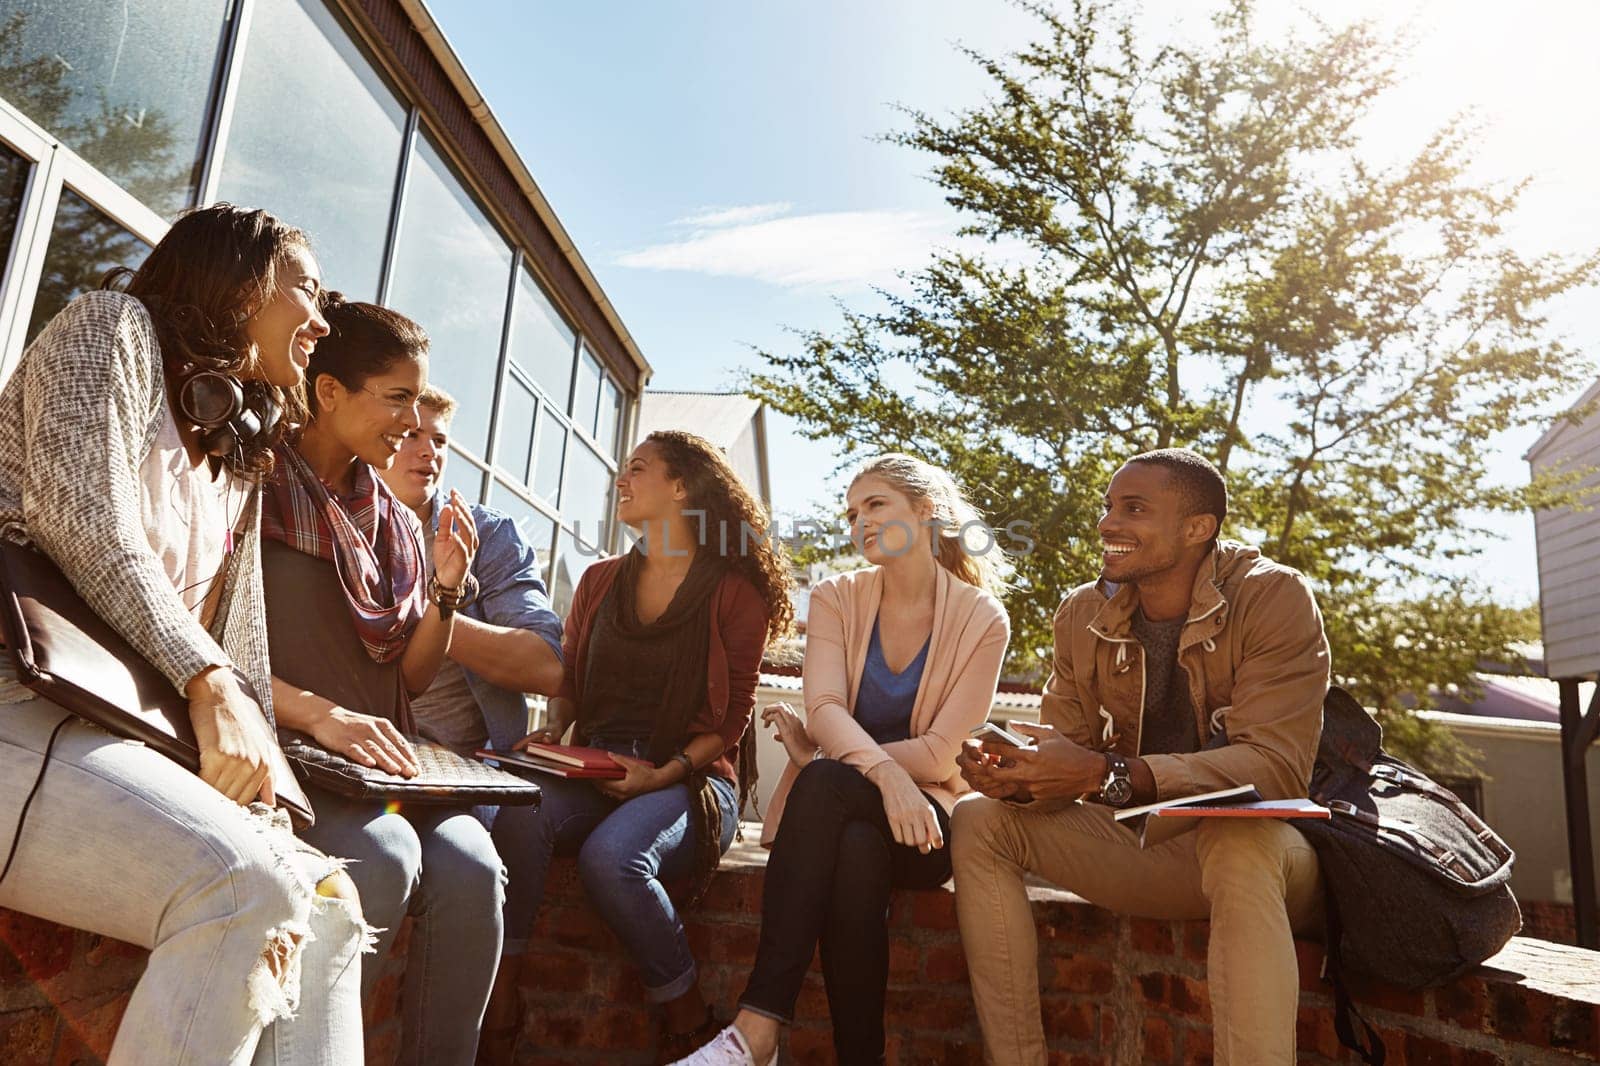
54,166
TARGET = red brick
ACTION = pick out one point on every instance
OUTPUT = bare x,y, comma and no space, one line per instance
1196,940
555,970
933,909
43,950
732,893
1516,1014
808,1045
1314,1032
1081,973
1575,1027
1069,1018
27,1035
945,964
1151,936
1462,1003
732,943
1197,1047
1158,1041
1182,995
905,961
1389,998
103,949
86,1031
1426,1051
934,1051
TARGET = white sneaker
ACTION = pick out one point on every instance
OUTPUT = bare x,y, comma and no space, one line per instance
728,1049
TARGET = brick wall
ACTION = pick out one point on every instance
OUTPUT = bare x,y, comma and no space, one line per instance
1116,990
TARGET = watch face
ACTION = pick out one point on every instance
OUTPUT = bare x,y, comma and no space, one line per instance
1118,791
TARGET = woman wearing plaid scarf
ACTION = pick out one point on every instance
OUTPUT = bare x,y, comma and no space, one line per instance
355,628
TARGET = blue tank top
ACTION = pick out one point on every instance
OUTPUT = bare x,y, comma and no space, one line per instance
885,698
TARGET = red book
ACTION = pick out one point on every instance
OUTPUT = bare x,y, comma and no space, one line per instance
591,769
572,755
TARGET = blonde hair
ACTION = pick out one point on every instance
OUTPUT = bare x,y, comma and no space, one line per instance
953,513
438,401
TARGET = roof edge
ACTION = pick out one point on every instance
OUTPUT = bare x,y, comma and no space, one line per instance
1549,436
433,36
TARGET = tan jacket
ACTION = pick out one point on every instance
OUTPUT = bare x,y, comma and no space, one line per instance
965,651
1257,666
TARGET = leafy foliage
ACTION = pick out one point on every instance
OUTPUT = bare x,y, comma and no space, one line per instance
1208,261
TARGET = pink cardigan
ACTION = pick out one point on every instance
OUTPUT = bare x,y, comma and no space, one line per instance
968,644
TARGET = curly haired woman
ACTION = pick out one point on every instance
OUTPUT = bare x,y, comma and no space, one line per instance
663,649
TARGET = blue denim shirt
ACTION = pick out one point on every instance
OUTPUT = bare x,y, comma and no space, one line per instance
510,594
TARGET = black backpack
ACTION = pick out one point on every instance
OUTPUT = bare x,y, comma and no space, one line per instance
1417,886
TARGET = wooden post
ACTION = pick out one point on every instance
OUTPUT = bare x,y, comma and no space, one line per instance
1578,731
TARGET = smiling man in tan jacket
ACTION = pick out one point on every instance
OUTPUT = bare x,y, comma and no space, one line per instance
1191,665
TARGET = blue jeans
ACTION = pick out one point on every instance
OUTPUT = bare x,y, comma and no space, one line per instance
438,865
625,851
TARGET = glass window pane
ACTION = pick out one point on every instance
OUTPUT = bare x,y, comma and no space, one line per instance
85,245
124,85
569,563
552,451
605,433
535,525
463,475
14,171
451,269
517,411
586,505
541,341
586,394
316,139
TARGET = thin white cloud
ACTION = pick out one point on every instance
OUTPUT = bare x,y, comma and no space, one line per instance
833,249
712,217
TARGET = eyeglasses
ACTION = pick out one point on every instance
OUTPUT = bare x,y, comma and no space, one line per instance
397,407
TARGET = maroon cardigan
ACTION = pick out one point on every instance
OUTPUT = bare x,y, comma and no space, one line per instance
738,640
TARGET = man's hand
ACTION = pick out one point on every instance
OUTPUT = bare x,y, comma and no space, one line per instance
977,766
1055,768
234,752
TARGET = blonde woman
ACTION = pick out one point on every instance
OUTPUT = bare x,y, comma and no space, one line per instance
902,659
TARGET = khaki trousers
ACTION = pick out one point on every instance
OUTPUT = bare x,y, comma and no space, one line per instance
1255,879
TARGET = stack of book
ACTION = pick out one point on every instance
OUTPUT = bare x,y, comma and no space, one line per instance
558,760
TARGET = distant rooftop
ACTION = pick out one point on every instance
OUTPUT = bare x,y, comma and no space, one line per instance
719,417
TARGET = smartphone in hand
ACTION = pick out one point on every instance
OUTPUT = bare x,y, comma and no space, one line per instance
989,732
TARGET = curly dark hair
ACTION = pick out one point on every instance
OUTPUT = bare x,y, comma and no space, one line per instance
215,268
715,488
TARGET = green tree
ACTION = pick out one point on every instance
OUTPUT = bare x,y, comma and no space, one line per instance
1210,262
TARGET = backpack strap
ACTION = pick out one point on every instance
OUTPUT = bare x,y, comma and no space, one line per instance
1345,1016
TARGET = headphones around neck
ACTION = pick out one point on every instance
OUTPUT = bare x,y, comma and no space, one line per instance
229,414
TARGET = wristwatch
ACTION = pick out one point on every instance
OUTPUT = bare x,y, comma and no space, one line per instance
1117,789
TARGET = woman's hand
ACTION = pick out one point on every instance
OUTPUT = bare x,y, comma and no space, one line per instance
546,735
366,739
456,542
234,750
641,778
791,732
911,816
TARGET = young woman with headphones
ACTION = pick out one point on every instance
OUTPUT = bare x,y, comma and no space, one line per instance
133,437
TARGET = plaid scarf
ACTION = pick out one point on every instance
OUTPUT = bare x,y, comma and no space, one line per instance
375,550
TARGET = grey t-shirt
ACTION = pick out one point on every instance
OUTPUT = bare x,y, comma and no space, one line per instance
447,712
1169,725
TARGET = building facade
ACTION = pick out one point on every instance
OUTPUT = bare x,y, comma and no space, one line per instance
354,120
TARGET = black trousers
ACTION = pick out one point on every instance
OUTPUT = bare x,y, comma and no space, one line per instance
833,865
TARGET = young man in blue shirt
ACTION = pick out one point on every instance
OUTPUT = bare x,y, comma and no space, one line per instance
508,641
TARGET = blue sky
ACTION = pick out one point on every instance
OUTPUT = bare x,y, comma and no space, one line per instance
717,162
